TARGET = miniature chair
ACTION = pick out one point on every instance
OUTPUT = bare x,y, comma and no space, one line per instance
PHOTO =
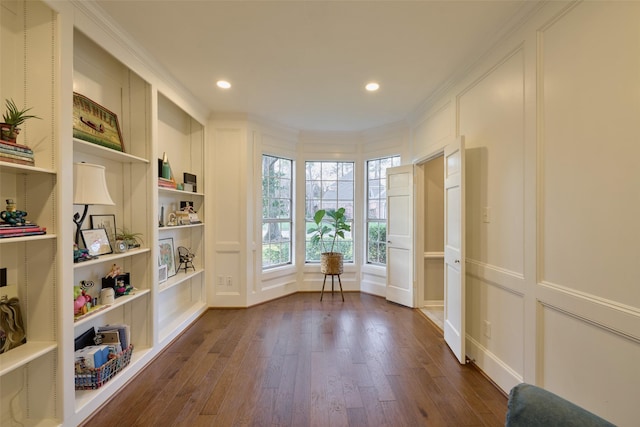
186,259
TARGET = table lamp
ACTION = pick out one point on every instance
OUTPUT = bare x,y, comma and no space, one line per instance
89,188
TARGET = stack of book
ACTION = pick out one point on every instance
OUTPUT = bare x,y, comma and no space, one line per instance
29,229
166,183
16,153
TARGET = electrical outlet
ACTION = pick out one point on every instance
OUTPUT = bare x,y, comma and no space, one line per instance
229,281
487,329
220,280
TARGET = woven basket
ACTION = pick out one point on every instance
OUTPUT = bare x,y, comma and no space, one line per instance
331,263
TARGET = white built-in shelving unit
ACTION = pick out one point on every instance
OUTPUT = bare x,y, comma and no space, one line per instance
51,49
183,296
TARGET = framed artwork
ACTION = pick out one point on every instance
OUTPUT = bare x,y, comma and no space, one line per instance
96,241
108,222
162,273
94,123
166,255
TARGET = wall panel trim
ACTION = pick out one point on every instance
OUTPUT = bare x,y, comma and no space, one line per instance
620,319
507,280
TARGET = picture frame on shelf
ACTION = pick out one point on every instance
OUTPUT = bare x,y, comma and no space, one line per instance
167,255
106,221
94,123
96,241
162,273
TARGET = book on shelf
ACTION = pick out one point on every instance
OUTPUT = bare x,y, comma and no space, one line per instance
166,183
13,152
8,230
5,145
14,145
23,234
16,159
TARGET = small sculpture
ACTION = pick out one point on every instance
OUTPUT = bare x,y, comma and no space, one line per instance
186,259
12,215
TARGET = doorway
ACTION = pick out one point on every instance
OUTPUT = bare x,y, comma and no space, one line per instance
430,248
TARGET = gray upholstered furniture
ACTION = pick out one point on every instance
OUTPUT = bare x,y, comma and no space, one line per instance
531,406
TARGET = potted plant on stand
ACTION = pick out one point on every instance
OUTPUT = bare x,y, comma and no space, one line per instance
13,118
325,233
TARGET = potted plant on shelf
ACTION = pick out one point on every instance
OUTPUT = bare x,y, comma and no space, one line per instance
13,118
133,240
325,233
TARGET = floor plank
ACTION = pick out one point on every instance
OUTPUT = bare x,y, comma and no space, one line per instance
297,361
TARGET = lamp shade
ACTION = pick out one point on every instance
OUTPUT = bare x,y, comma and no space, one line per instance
90,185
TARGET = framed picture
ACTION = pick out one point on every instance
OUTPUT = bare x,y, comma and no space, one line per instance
108,222
94,123
167,255
96,241
162,273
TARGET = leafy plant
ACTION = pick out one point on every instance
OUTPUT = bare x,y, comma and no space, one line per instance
15,116
132,239
329,229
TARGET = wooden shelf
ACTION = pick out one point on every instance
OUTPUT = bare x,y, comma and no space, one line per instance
181,192
179,322
27,238
173,227
110,257
85,397
24,354
102,309
105,153
24,169
178,279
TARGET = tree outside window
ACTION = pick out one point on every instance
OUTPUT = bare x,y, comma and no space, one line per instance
377,208
277,203
329,185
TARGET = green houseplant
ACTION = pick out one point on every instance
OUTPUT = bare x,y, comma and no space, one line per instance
324,233
13,118
133,240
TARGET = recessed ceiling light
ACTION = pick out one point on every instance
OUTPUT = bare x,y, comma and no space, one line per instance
223,84
372,87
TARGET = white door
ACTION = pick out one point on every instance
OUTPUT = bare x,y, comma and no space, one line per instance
400,235
454,284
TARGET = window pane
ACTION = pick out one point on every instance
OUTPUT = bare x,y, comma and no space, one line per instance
377,208
329,185
276,211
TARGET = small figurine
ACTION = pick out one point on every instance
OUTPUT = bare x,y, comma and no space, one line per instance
82,301
13,216
115,271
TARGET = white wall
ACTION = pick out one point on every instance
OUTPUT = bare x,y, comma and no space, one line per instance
549,119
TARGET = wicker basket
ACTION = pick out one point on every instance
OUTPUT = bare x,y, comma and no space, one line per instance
331,263
91,379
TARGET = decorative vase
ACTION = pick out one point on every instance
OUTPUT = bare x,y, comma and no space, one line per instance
331,263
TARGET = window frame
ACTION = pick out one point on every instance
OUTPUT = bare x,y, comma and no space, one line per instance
285,220
349,241
369,221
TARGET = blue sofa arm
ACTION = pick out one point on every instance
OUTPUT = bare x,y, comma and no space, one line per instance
531,406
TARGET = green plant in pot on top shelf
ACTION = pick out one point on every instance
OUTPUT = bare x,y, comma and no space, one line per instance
13,118
324,233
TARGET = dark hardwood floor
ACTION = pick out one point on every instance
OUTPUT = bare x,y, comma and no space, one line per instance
297,361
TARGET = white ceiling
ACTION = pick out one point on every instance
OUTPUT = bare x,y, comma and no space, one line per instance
304,64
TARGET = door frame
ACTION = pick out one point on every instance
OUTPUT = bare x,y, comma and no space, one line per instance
420,215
